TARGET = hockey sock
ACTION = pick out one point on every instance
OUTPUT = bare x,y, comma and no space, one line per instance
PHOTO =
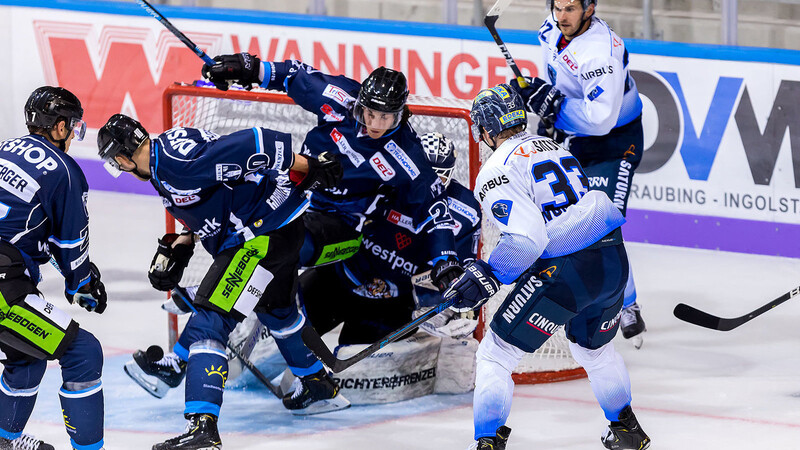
19,385
82,392
608,376
285,325
494,387
206,373
630,290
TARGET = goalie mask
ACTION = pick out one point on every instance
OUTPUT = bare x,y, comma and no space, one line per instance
497,109
121,135
382,99
47,105
441,153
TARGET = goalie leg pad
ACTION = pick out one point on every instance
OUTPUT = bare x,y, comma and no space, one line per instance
608,376
494,387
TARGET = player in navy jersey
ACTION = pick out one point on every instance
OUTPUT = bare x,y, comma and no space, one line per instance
372,292
235,195
527,185
590,104
366,126
44,216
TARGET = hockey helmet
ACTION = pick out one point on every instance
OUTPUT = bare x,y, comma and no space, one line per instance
386,91
49,104
496,109
121,135
441,153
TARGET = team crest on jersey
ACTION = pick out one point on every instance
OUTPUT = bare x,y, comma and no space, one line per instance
377,288
501,210
382,167
228,172
595,93
551,73
257,161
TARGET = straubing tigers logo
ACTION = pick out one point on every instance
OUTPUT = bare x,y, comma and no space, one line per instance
218,371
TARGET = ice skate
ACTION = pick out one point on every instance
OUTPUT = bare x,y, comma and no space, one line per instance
498,442
314,394
201,434
626,434
24,442
633,325
154,372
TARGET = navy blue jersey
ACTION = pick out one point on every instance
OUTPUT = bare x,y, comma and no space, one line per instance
43,211
226,189
390,255
393,163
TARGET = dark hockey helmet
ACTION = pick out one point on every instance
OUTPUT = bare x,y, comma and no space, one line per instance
496,109
49,104
386,91
121,135
441,153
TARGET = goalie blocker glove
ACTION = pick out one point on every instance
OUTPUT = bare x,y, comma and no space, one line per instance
240,68
473,288
540,98
166,269
444,272
91,296
323,172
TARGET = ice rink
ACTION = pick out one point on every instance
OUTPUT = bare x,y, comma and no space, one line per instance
693,388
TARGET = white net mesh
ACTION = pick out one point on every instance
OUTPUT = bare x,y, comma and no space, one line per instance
224,113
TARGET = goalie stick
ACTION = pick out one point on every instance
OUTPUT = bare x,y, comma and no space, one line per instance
314,342
250,366
489,21
700,318
188,42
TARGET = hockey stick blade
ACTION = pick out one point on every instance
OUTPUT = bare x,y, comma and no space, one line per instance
250,366
703,319
489,21
314,342
169,26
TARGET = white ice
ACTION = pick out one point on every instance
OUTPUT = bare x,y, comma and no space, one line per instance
692,388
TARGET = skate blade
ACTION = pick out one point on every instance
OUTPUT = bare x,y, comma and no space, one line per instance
323,406
149,383
637,341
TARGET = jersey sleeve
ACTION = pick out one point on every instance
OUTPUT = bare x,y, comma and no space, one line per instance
603,84
328,97
67,209
508,205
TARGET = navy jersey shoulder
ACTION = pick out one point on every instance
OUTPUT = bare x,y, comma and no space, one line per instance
226,189
43,204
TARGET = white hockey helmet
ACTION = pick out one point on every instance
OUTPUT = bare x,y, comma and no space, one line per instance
441,153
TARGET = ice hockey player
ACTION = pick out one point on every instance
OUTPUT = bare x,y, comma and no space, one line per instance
366,126
373,289
528,182
43,202
592,106
234,194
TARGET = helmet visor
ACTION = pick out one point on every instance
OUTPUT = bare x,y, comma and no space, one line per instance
376,120
112,168
476,132
79,127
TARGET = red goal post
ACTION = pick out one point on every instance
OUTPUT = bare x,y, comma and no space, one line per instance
224,112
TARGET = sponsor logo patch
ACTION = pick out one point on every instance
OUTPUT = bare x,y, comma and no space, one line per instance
228,172
382,167
346,149
513,115
405,161
338,95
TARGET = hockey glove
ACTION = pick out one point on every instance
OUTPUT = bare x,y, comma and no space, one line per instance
92,295
473,288
323,172
540,98
444,272
239,68
169,262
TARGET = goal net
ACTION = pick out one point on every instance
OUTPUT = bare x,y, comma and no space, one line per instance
233,110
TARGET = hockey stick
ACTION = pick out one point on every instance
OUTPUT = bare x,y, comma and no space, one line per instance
188,42
695,316
314,342
250,366
489,21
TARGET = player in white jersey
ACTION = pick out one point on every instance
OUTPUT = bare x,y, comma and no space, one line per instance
592,106
529,184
